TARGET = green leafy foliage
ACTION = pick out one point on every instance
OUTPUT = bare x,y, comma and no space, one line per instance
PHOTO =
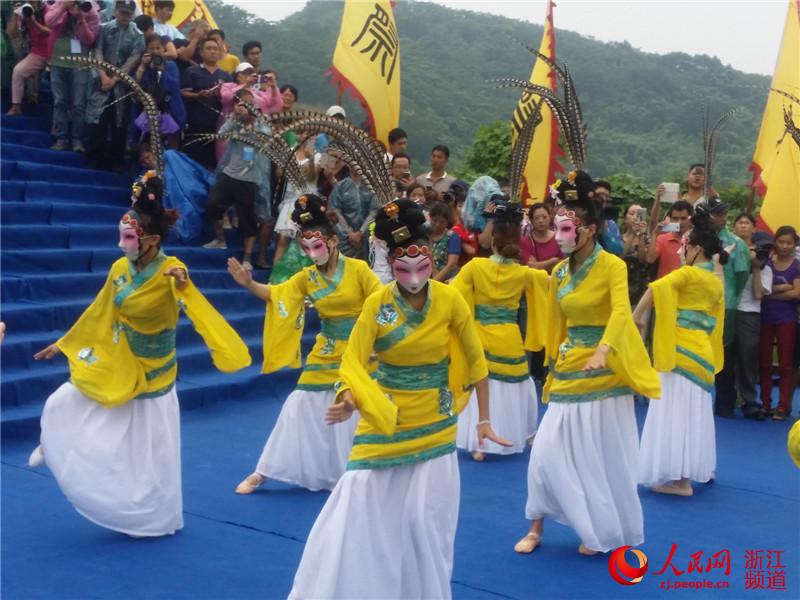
642,109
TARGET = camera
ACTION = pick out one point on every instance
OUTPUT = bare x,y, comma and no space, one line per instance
763,250
85,6
24,10
156,61
448,197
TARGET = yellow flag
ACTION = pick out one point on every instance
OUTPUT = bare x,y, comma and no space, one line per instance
776,167
185,12
366,62
542,165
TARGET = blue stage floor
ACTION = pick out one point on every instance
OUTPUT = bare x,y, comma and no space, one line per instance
241,547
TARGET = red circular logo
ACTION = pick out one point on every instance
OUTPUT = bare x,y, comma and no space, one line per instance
622,572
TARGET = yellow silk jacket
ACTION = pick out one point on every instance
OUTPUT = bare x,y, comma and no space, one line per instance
338,301
585,309
492,288
690,314
428,361
123,346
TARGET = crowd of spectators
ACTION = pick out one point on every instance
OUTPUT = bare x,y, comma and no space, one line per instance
200,87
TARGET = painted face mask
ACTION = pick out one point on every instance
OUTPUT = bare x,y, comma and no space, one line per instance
130,234
566,232
412,271
316,248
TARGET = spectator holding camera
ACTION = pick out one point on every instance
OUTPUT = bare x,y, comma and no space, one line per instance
242,170
634,250
162,80
669,233
121,44
73,30
200,90
268,101
401,173
28,20
608,235
748,314
779,322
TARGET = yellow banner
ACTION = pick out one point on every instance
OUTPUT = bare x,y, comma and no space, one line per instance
366,62
185,12
542,165
776,167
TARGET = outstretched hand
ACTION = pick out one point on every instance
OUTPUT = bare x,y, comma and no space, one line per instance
242,276
485,432
47,353
341,410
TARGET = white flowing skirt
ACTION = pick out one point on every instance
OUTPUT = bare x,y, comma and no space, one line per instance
302,449
119,467
384,533
513,410
678,438
582,472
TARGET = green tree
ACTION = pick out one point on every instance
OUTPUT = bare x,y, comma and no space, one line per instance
490,152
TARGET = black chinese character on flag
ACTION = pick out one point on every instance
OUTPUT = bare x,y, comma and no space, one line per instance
379,37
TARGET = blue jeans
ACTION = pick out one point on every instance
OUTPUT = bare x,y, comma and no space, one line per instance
69,88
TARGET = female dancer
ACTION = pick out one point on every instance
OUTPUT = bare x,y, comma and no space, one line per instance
582,470
111,435
678,436
301,450
492,288
387,530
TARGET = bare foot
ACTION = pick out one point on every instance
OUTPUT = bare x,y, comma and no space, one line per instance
478,456
15,110
675,488
250,483
528,544
586,551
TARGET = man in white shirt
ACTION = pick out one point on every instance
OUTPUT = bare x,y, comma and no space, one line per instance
748,324
437,178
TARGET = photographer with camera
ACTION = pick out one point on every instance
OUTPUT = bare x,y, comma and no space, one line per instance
121,44
74,27
401,173
268,101
28,20
162,80
146,25
668,237
748,313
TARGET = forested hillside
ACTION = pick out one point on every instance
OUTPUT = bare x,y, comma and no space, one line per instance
642,110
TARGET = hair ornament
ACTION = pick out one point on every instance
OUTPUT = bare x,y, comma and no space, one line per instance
412,251
131,219
569,214
391,209
571,176
308,234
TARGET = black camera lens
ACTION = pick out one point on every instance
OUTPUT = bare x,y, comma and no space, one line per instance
27,11
156,61
86,6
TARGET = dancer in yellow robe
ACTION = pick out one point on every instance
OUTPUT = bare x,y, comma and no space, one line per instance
301,449
678,437
111,435
492,288
582,470
399,497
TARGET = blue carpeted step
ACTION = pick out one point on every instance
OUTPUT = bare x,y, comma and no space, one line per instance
84,196
43,286
34,154
100,259
20,170
58,213
28,137
25,122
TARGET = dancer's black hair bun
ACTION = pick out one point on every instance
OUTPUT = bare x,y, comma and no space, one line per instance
310,211
399,223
